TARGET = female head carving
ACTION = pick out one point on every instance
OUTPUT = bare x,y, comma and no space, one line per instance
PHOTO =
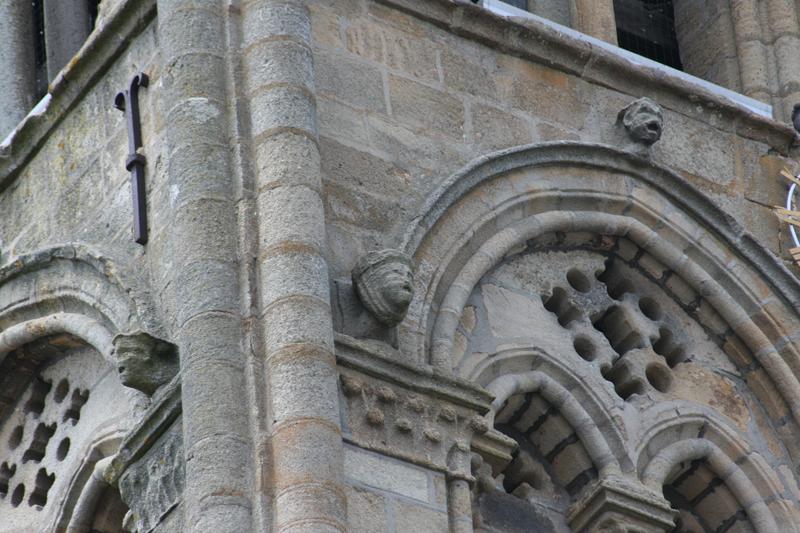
383,282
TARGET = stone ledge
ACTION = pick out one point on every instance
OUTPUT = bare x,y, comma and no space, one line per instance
542,42
379,360
70,85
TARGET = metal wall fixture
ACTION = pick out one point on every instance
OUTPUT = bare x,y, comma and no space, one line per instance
128,102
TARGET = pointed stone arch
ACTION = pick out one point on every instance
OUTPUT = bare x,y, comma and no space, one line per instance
499,202
69,291
60,309
687,437
524,371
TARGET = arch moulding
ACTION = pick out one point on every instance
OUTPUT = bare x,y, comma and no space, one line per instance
72,290
498,203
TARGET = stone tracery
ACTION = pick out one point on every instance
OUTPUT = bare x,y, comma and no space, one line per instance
62,409
638,267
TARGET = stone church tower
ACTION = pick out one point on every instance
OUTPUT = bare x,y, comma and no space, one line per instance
398,266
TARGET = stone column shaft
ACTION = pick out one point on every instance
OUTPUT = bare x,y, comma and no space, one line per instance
783,25
303,409
17,84
459,504
204,250
66,25
750,49
595,18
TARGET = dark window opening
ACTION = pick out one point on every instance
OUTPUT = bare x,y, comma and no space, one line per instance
92,6
647,28
58,32
39,50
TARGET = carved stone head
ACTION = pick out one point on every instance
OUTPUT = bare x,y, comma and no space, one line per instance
643,119
384,284
144,362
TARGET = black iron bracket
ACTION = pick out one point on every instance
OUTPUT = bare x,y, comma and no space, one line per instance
128,101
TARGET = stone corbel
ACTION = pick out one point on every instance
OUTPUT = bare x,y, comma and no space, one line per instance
643,122
621,506
144,362
376,298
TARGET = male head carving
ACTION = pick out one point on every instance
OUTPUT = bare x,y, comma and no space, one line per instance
643,120
144,362
383,282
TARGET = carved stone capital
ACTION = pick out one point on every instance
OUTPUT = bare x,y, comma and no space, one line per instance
144,362
618,505
402,411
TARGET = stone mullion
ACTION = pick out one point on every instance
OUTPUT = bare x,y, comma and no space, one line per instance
66,25
218,449
595,18
17,85
751,50
782,22
303,411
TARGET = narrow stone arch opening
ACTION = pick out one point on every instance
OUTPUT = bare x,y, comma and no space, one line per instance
714,477
703,500
549,469
621,271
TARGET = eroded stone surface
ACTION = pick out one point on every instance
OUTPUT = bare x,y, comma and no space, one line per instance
153,485
643,119
144,362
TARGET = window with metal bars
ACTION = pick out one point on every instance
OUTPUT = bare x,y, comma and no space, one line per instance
59,29
647,28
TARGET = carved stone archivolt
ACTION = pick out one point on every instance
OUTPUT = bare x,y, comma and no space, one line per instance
585,285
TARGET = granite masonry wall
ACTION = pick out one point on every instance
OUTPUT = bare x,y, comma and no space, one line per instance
598,332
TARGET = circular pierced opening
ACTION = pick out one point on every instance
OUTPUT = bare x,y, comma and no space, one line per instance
578,280
650,308
585,348
62,450
62,389
659,376
16,437
18,495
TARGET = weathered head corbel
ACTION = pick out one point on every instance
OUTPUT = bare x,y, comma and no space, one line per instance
643,120
384,284
144,362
